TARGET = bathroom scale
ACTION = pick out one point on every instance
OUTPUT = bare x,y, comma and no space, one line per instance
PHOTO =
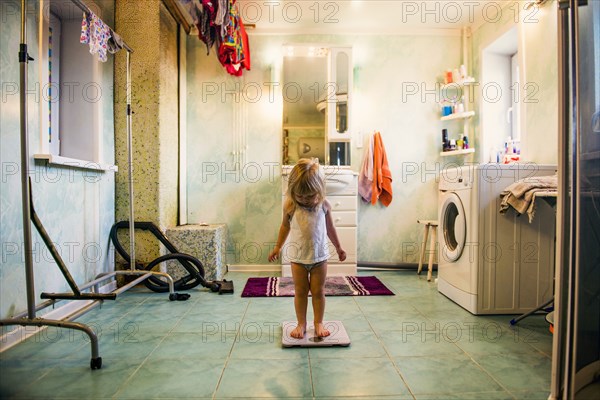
338,337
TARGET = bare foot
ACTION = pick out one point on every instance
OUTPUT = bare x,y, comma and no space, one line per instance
320,330
298,332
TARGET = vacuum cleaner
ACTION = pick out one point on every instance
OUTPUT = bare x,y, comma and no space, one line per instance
193,266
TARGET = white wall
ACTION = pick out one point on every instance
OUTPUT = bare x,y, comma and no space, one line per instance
394,92
537,37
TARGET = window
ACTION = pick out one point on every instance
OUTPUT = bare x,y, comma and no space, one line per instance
71,90
502,97
515,116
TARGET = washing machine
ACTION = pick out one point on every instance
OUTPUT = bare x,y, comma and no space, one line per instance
492,263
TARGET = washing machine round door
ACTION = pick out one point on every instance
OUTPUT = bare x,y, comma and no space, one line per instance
454,227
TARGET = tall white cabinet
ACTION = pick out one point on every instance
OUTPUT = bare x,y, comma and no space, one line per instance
342,193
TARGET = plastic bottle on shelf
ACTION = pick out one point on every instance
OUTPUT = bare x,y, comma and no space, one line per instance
445,142
460,107
465,142
456,76
448,76
463,72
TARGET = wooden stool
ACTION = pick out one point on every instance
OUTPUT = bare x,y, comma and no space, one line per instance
433,225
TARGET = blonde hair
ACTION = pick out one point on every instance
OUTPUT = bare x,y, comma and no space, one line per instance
305,179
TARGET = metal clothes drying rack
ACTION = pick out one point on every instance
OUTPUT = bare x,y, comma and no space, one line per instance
29,318
551,198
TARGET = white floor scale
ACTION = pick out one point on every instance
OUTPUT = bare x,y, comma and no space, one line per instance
338,336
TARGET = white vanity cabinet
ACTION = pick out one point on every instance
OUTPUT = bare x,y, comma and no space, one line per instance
342,194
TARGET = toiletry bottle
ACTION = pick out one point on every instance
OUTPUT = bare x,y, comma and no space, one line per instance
465,142
445,143
448,76
463,72
456,76
460,107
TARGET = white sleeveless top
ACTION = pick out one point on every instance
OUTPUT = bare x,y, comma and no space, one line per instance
307,243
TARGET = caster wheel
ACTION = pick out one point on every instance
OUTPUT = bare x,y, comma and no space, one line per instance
96,363
179,296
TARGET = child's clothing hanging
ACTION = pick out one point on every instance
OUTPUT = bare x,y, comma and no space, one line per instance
220,24
234,52
95,33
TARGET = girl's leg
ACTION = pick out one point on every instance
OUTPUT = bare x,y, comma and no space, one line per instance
301,287
317,289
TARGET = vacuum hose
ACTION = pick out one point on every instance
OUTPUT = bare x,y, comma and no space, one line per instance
193,266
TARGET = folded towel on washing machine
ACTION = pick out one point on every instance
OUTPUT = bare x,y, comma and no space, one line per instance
521,194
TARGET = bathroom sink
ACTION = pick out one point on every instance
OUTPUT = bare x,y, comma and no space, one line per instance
339,181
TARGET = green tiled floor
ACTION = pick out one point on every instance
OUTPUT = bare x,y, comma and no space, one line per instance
414,345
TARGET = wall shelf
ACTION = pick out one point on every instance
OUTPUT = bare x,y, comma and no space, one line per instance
463,115
457,152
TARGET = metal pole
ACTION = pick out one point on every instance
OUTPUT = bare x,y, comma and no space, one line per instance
130,163
573,310
23,63
561,283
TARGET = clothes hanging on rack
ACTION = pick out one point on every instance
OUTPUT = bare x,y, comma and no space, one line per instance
220,24
207,31
115,42
234,51
222,16
95,33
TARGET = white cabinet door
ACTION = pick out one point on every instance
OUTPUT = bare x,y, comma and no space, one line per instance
347,237
343,218
343,203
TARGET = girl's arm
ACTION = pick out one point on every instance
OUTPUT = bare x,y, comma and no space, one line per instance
332,233
284,230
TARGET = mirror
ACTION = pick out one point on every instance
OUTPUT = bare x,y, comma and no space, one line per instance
315,90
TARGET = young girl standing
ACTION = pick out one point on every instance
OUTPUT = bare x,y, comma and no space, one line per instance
307,219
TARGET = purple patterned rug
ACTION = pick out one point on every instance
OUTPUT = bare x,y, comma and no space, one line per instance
334,286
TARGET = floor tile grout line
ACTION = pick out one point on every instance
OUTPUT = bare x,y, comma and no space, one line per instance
237,334
310,374
123,385
489,374
386,351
